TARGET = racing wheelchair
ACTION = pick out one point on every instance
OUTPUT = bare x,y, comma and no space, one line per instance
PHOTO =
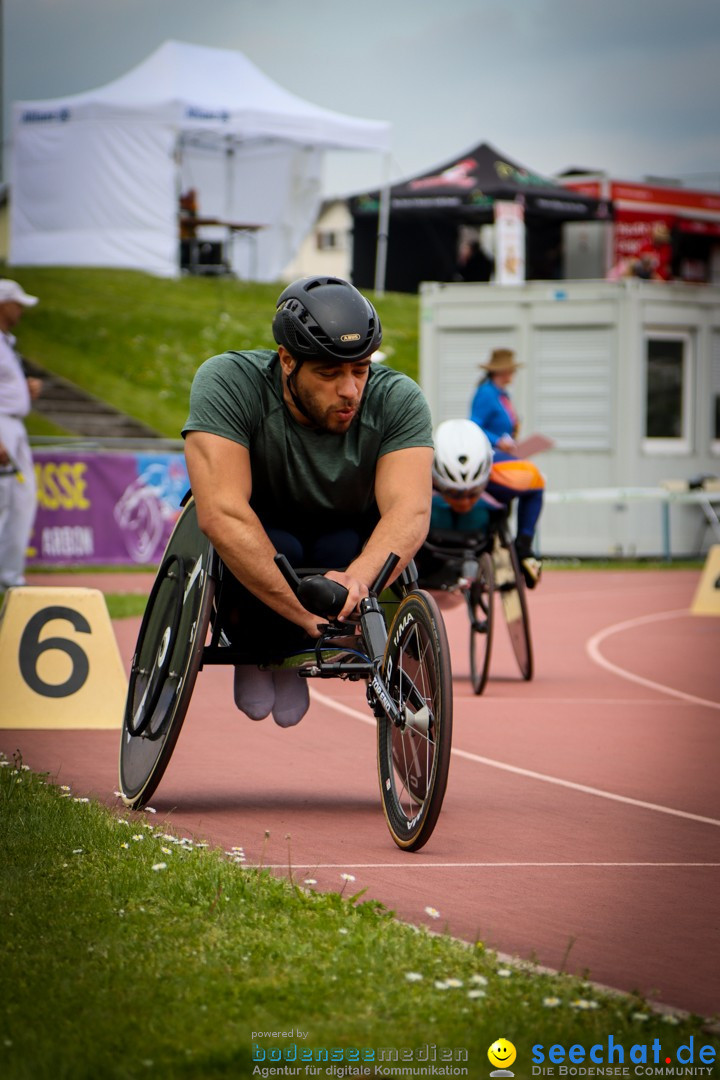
477,566
399,649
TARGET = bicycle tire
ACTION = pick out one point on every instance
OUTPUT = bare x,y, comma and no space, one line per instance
167,659
480,602
514,603
413,760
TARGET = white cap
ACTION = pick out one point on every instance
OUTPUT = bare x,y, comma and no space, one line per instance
10,290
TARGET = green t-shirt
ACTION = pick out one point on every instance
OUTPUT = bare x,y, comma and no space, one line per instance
322,479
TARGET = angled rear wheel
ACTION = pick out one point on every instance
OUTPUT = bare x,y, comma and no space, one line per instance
510,583
167,659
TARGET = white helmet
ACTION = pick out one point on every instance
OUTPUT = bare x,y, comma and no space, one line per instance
463,457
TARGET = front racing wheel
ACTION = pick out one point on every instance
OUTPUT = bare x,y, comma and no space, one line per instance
414,757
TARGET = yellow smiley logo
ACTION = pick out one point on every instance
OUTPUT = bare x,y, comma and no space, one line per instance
502,1053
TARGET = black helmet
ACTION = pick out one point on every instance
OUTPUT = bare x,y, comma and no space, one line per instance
326,319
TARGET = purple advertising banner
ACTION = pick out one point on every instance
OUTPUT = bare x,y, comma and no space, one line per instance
105,508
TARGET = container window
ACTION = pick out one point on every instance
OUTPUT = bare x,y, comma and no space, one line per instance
667,393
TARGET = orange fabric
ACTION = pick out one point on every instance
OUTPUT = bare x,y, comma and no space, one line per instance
518,475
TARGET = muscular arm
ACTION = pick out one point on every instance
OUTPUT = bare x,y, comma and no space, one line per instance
221,482
403,491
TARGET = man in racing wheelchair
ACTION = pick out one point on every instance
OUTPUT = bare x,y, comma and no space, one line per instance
311,451
470,496
468,554
460,515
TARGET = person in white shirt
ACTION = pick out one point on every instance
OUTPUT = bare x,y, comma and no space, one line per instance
18,495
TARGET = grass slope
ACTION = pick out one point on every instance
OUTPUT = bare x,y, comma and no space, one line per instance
130,952
136,341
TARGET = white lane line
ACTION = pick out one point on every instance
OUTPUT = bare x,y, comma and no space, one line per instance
592,648
557,701
531,774
411,864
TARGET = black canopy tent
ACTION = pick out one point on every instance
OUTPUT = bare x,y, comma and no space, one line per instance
428,211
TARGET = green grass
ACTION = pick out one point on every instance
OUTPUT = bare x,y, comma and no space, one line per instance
125,605
119,605
136,341
621,564
128,952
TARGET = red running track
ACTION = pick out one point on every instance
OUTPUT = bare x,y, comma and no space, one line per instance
581,827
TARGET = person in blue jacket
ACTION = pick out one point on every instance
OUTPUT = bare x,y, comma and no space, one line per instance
511,477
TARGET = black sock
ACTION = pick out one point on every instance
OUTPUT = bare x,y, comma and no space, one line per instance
523,545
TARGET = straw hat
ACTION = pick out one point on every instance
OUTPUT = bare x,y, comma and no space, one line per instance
501,361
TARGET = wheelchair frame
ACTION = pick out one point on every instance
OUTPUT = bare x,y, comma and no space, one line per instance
406,668
487,564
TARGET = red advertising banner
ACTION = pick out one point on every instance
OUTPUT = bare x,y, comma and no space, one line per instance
634,229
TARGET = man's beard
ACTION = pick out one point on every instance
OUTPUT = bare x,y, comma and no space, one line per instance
323,417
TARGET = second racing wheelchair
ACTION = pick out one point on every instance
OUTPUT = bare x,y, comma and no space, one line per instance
469,551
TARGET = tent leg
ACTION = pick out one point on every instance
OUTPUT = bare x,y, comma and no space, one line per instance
383,228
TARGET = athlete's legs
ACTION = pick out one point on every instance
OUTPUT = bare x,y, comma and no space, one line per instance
259,692
337,549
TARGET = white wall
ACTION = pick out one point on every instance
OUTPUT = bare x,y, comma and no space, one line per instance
327,248
583,346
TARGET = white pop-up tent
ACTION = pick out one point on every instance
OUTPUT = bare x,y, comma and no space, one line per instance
96,177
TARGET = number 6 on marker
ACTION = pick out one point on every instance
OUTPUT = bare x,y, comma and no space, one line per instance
32,648
73,677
